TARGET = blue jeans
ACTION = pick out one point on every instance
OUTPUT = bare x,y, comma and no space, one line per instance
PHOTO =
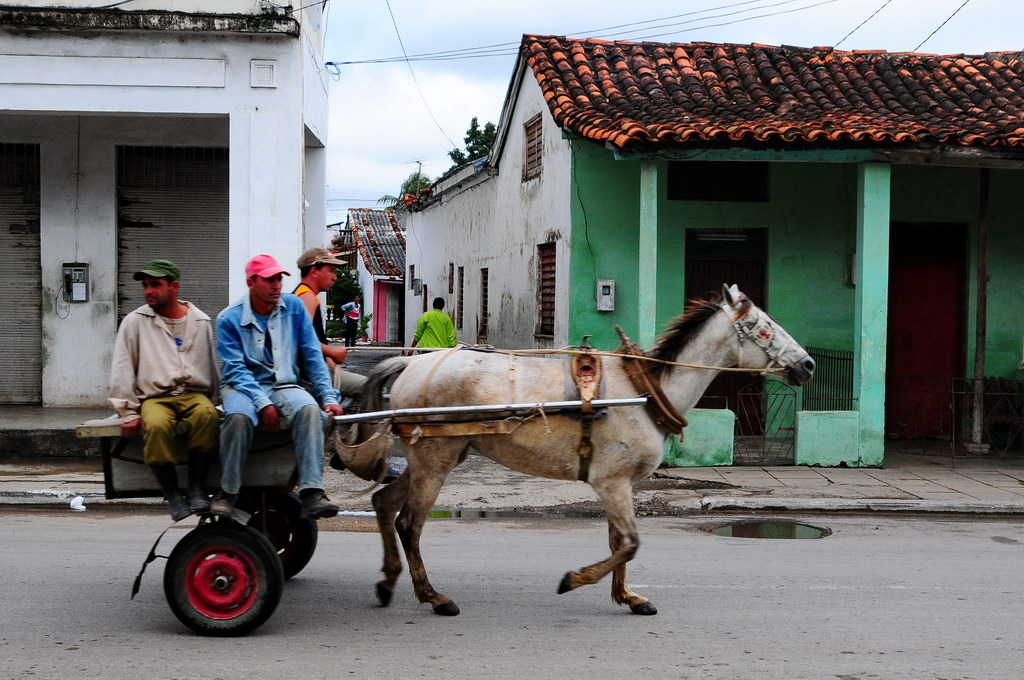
299,412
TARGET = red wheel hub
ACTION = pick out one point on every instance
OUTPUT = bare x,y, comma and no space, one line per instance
221,582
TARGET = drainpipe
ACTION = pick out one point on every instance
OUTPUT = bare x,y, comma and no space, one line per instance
975,446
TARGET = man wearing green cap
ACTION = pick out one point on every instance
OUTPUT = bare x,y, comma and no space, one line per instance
163,382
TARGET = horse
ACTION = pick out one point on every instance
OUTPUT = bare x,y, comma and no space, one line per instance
626,444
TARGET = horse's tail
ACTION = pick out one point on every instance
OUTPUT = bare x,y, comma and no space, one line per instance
372,398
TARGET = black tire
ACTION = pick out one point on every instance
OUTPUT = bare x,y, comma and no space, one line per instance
223,579
278,516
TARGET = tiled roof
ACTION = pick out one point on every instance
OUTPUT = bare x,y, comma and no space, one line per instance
637,95
379,240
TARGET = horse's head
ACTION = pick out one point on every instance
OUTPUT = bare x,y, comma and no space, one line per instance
763,343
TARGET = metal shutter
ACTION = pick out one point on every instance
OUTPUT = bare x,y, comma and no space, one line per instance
172,203
21,372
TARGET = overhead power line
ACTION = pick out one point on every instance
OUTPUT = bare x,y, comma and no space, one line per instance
883,6
413,74
511,48
940,26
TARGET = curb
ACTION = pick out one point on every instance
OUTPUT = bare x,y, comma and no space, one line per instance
710,504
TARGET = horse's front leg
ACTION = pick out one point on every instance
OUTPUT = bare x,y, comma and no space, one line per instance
428,469
387,501
617,497
621,593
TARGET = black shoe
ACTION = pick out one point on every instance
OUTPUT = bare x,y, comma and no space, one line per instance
315,504
198,501
179,508
391,475
223,503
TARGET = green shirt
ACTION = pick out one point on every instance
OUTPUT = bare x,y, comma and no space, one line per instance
435,329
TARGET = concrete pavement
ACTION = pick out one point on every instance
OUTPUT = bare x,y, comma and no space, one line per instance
908,483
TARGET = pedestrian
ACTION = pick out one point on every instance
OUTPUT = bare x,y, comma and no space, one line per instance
265,342
319,270
351,312
163,379
434,328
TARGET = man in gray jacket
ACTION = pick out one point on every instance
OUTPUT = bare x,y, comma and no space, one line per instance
163,382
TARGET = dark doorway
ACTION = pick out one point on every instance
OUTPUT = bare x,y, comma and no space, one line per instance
726,256
925,343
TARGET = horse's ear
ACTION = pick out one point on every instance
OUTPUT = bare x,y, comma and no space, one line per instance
727,293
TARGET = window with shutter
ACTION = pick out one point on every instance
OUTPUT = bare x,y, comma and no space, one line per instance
533,148
546,289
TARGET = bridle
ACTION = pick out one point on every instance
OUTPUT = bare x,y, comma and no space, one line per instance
759,328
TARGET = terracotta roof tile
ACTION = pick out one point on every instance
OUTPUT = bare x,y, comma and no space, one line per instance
631,95
379,241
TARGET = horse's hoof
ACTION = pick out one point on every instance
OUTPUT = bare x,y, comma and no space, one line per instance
383,595
644,609
448,608
566,583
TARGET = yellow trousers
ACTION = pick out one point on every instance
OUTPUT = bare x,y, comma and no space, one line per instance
190,415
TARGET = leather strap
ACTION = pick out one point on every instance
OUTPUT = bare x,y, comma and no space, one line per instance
586,373
658,405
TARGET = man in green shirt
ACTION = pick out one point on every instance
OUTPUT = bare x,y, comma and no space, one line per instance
435,328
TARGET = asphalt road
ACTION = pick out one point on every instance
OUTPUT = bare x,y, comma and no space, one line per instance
882,597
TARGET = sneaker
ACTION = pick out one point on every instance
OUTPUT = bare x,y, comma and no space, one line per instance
223,503
316,504
179,508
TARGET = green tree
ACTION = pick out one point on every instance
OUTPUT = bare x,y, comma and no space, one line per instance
478,144
343,290
412,185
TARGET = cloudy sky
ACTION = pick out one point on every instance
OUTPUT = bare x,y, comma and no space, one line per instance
386,118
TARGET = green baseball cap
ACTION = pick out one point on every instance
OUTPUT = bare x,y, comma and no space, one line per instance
158,269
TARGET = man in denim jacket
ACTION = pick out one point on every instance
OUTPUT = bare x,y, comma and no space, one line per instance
265,341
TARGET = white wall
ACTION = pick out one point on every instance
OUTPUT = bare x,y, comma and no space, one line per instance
152,88
498,224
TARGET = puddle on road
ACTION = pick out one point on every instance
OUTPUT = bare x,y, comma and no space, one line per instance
770,529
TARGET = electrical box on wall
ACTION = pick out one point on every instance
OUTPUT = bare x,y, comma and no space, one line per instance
75,277
606,295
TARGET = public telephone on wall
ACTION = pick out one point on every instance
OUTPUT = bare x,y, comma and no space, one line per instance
76,281
605,295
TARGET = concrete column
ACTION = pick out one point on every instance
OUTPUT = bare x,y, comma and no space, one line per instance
647,262
872,307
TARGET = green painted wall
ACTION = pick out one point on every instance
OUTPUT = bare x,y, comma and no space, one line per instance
811,233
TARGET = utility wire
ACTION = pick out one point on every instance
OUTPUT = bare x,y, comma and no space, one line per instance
863,22
940,26
299,9
413,74
510,48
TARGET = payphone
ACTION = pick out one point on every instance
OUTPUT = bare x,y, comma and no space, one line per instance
75,277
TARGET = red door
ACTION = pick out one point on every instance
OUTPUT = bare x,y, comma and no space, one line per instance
925,338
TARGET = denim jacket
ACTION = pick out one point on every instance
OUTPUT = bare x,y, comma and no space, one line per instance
294,344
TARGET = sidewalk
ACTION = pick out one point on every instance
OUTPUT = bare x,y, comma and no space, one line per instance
908,483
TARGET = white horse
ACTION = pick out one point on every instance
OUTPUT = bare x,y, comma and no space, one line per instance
627,445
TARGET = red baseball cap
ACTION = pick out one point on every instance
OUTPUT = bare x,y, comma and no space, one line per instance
264,266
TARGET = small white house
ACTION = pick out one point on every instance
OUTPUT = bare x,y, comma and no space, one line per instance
181,129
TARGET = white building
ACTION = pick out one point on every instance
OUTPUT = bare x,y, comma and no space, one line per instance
182,129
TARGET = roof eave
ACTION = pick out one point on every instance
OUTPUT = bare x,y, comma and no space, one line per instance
154,20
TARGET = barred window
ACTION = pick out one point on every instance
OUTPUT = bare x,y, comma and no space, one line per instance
460,299
481,332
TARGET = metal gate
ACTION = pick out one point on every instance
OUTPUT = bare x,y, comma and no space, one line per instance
21,372
765,423
172,203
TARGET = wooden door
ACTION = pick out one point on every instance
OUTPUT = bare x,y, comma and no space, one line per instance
733,257
925,340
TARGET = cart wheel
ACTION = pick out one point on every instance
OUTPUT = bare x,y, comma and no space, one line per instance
223,579
279,518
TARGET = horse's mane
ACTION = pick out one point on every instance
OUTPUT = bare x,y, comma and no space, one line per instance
683,328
